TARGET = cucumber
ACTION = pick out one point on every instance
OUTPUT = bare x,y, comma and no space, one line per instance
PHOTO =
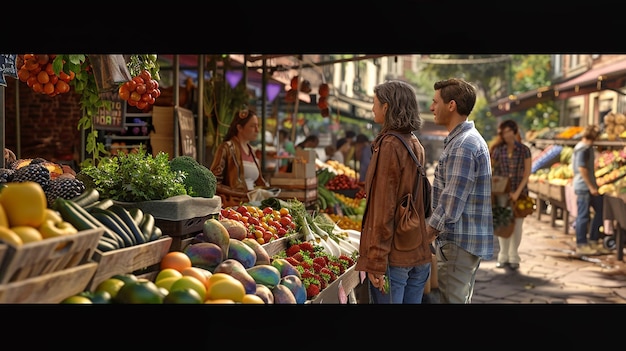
105,246
87,197
110,241
114,226
125,216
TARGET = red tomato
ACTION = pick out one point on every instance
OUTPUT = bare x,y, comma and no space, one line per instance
138,80
254,221
141,88
281,232
131,85
268,210
285,221
145,74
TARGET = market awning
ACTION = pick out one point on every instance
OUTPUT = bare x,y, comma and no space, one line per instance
611,76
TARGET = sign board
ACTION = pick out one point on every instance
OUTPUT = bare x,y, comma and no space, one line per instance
7,67
187,127
111,116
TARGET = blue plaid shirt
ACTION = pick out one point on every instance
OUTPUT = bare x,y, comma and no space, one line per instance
462,192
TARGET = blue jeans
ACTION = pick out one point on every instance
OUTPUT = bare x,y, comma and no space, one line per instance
585,201
406,285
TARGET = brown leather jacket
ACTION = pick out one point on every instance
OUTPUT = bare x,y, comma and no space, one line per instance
227,167
390,175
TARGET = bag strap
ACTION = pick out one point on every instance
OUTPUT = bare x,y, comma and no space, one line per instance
419,165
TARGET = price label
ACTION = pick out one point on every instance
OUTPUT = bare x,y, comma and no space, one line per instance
112,115
7,67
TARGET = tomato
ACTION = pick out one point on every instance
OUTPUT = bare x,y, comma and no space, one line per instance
24,203
141,88
281,232
138,80
131,85
124,92
141,104
135,96
243,210
49,69
145,97
268,210
145,74
285,221
253,220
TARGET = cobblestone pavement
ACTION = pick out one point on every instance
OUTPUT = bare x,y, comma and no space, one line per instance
550,272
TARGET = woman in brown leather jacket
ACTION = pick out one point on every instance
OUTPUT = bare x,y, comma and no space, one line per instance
235,166
404,261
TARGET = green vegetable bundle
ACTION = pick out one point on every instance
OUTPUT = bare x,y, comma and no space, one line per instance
135,177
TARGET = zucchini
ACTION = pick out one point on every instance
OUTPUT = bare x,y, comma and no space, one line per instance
125,216
111,241
87,197
103,204
137,215
114,226
119,222
157,233
147,225
105,246
74,217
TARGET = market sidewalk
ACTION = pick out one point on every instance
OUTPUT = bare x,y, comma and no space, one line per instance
550,272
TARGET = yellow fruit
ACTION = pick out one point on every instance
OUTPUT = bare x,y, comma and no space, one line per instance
24,203
220,301
189,282
4,221
202,274
77,299
167,273
166,283
231,289
111,285
28,234
252,299
10,237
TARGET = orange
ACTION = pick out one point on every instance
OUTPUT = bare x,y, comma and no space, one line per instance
43,77
177,260
48,88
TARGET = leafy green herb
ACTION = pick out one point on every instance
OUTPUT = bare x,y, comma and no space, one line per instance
136,177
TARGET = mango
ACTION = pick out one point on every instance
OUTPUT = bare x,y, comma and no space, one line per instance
242,253
235,228
285,268
264,293
262,257
204,255
235,269
282,295
296,286
215,232
265,274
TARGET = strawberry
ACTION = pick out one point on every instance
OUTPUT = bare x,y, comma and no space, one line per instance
293,261
312,290
307,246
320,260
292,250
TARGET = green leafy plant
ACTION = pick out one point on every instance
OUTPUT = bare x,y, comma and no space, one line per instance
136,176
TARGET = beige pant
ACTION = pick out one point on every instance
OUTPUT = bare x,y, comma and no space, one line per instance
509,246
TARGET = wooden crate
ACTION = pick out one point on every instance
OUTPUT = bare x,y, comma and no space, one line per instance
129,259
557,192
53,287
50,255
533,186
294,183
544,189
337,291
308,197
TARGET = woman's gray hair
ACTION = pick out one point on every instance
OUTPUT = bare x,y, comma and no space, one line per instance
403,112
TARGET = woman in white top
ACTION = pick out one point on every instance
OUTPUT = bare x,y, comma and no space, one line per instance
235,166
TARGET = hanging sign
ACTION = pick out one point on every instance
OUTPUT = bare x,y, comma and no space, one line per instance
7,67
111,116
187,129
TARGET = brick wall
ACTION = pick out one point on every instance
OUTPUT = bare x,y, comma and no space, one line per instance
48,125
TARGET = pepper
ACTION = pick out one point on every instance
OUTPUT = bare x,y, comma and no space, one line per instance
24,203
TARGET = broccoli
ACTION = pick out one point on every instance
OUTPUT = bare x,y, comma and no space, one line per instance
199,180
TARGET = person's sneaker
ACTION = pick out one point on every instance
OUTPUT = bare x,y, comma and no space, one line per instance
586,249
501,264
599,247
514,266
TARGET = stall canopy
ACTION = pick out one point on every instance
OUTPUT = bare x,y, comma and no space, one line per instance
609,77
